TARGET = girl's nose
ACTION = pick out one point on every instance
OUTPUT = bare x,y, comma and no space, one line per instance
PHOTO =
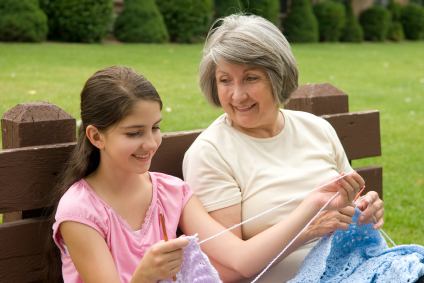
150,143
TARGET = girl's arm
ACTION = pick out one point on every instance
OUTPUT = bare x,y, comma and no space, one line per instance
94,263
251,256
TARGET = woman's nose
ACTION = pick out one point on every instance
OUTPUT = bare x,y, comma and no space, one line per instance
239,92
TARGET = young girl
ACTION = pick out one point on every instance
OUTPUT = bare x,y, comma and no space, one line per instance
107,224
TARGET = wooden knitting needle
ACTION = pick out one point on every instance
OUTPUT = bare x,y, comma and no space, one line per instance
357,196
165,236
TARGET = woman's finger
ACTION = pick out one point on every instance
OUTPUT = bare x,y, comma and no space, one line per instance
348,210
349,189
379,224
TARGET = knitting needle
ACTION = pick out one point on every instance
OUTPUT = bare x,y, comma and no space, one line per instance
357,196
165,236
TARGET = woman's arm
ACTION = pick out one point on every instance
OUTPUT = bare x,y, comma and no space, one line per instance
251,256
94,263
230,216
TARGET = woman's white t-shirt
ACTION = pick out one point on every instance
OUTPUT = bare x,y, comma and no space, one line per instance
225,167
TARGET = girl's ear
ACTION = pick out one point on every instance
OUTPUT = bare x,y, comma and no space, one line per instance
95,137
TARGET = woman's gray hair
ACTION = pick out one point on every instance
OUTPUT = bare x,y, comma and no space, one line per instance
253,41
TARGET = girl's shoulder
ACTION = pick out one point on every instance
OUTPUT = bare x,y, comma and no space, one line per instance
80,201
170,187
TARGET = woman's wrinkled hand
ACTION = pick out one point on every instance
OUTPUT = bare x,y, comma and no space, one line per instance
161,261
347,188
331,220
371,204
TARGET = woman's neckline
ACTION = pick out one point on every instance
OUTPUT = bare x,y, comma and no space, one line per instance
267,139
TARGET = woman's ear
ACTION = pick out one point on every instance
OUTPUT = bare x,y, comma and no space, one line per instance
95,137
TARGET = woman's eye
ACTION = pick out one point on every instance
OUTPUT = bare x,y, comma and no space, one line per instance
224,81
252,78
156,128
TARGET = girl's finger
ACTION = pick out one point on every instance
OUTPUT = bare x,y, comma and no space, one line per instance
175,244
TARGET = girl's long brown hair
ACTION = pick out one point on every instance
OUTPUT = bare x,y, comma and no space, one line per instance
107,97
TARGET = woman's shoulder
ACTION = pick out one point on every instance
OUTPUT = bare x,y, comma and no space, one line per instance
305,118
215,131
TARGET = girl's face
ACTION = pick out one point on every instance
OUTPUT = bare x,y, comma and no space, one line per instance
131,145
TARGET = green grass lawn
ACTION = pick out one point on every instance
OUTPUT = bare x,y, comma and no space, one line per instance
384,76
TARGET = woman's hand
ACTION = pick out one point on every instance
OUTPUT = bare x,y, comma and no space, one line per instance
375,208
347,187
161,261
329,221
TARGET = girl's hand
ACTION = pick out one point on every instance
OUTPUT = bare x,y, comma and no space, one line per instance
347,187
161,261
375,208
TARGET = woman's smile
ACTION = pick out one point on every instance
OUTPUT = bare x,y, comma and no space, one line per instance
245,108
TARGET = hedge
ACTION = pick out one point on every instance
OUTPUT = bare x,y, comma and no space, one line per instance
352,31
78,20
141,21
376,22
185,19
412,19
301,24
331,18
225,8
22,20
268,9
396,29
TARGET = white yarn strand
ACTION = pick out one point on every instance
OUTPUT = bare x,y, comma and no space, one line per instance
307,225
278,206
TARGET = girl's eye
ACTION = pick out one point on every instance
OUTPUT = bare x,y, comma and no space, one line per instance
156,128
131,135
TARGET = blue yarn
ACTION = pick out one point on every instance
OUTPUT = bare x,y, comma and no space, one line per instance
360,255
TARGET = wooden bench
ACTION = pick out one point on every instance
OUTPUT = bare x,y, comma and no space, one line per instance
38,138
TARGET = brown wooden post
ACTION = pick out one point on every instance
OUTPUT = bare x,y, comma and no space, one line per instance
319,99
32,124
359,132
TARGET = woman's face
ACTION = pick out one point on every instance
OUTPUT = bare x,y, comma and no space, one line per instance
245,94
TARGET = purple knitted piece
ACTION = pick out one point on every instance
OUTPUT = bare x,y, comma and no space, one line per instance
360,254
196,266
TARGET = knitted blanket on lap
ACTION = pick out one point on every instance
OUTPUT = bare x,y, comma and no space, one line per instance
360,254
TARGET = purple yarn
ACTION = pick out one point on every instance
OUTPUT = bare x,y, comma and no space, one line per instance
196,266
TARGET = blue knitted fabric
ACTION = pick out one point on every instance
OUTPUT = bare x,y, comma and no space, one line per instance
360,254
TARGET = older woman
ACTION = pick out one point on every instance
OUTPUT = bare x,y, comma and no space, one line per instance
257,155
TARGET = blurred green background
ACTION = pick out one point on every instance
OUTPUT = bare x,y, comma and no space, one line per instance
388,77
